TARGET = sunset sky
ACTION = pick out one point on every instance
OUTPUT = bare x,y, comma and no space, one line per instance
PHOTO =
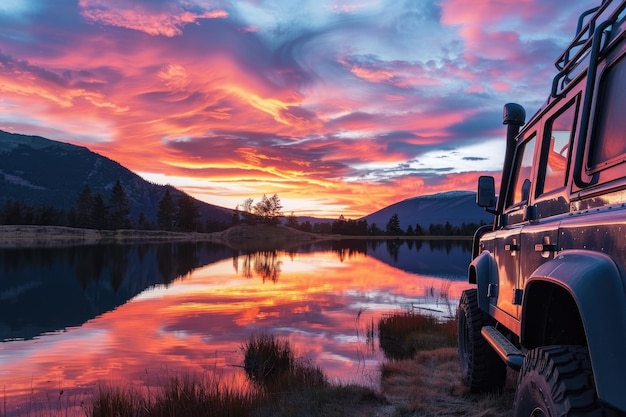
339,107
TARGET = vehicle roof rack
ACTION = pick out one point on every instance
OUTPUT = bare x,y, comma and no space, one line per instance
569,63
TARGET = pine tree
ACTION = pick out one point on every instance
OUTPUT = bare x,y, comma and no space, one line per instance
120,209
84,208
393,226
166,216
99,212
187,214
142,222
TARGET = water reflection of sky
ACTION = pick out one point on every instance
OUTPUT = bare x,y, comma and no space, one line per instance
321,302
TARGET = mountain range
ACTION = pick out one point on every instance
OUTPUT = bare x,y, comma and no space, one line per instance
43,172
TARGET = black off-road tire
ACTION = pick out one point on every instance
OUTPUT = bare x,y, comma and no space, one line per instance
556,381
482,368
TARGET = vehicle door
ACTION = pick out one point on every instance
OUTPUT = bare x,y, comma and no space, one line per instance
508,245
550,199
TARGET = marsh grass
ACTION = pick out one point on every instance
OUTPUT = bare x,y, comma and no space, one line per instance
401,334
181,396
278,380
283,384
56,403
270,363
266,357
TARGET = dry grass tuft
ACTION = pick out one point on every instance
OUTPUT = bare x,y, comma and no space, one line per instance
430,385
182,396
401,334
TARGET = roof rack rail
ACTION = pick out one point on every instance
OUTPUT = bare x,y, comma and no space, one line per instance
580,47
580,39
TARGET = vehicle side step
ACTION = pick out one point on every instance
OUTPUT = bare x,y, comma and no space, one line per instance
503,347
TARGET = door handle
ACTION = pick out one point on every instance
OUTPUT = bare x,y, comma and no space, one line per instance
545,247
511,247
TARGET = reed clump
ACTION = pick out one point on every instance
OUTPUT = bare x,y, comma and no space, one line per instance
403,333
277,377
283,384
181,396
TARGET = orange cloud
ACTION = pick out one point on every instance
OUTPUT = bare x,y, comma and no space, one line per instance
234,102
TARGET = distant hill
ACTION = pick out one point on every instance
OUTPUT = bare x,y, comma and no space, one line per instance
43,172
455,207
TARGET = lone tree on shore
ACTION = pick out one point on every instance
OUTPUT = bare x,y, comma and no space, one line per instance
268,210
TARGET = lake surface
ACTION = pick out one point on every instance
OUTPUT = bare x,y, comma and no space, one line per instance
75,319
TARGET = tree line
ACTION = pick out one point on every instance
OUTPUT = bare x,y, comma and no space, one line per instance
92,210
345,226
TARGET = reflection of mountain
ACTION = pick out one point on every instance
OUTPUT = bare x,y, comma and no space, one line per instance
49,289
439,258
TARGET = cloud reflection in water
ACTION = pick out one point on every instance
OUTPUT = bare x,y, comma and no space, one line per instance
321,300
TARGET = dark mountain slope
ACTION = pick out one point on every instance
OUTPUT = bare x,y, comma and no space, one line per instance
43,172
455,207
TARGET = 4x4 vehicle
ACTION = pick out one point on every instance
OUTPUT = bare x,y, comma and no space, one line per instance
550,273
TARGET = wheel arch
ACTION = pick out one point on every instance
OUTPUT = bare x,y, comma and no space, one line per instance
482,271
589,291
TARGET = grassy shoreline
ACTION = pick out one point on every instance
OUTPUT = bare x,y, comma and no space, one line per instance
242,236
426,384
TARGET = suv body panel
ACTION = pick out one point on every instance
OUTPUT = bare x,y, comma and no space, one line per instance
595,283
552,269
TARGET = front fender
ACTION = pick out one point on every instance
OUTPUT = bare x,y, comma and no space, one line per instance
482,271
595,284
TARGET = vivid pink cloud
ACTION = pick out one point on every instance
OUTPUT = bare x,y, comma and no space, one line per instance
168,20
230,100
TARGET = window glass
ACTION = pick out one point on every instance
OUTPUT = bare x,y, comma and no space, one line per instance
558,135
609,142
521,184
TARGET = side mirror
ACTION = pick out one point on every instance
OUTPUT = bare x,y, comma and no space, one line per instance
486,196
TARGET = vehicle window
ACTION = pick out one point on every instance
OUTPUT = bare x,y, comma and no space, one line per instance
609,142
521,183
556,149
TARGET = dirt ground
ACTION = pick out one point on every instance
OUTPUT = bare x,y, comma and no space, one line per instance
430,385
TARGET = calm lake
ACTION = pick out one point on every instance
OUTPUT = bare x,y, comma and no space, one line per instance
75,319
